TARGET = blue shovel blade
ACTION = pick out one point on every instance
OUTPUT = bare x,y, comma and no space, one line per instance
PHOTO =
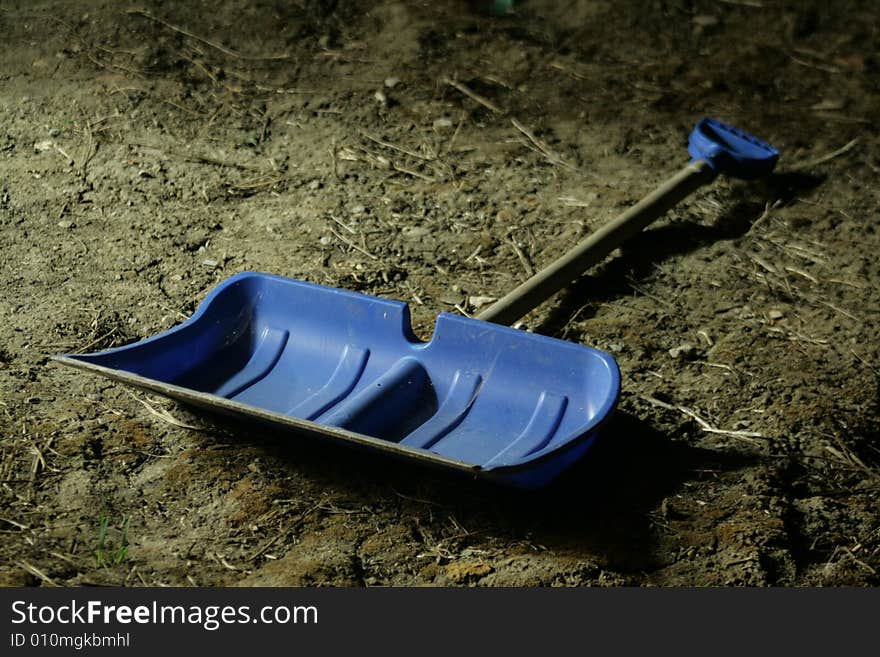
491,400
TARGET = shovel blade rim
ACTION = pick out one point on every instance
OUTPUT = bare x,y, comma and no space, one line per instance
478,397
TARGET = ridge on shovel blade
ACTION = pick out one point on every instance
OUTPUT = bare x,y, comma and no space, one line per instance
486,399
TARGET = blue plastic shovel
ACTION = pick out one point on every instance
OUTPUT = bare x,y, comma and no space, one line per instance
480,398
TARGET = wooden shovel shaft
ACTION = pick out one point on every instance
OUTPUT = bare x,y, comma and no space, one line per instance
595,247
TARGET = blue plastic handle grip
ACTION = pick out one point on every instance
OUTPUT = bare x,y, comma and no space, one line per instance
731,151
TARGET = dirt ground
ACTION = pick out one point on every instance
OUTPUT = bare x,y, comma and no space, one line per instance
149,152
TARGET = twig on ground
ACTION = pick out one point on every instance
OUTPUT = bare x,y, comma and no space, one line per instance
101,338
863,361
766,213
473,95
848,456
191,112
645,293
65,557
819,67
14,524
415,499
165,416
334,162
199,65
523,259
849,553
36,572
207,42
342,225
797,250
409,172
452,139
222,560
825,158
802,273
90,149
207,159
291,526
88,48
559,66
838,310
394,147
257,183
352,244
552,156
705,426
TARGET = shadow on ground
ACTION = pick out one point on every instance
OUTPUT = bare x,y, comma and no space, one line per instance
604,505
643,251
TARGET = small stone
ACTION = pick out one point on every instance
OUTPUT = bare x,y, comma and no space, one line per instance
392,82
44,145
209,263
443,123
452,298
684,350
380,97
325,240
704,20
775,314
54,132
504,216
357,209
415,232
463,571
829,105
480,301
315,185
65,224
